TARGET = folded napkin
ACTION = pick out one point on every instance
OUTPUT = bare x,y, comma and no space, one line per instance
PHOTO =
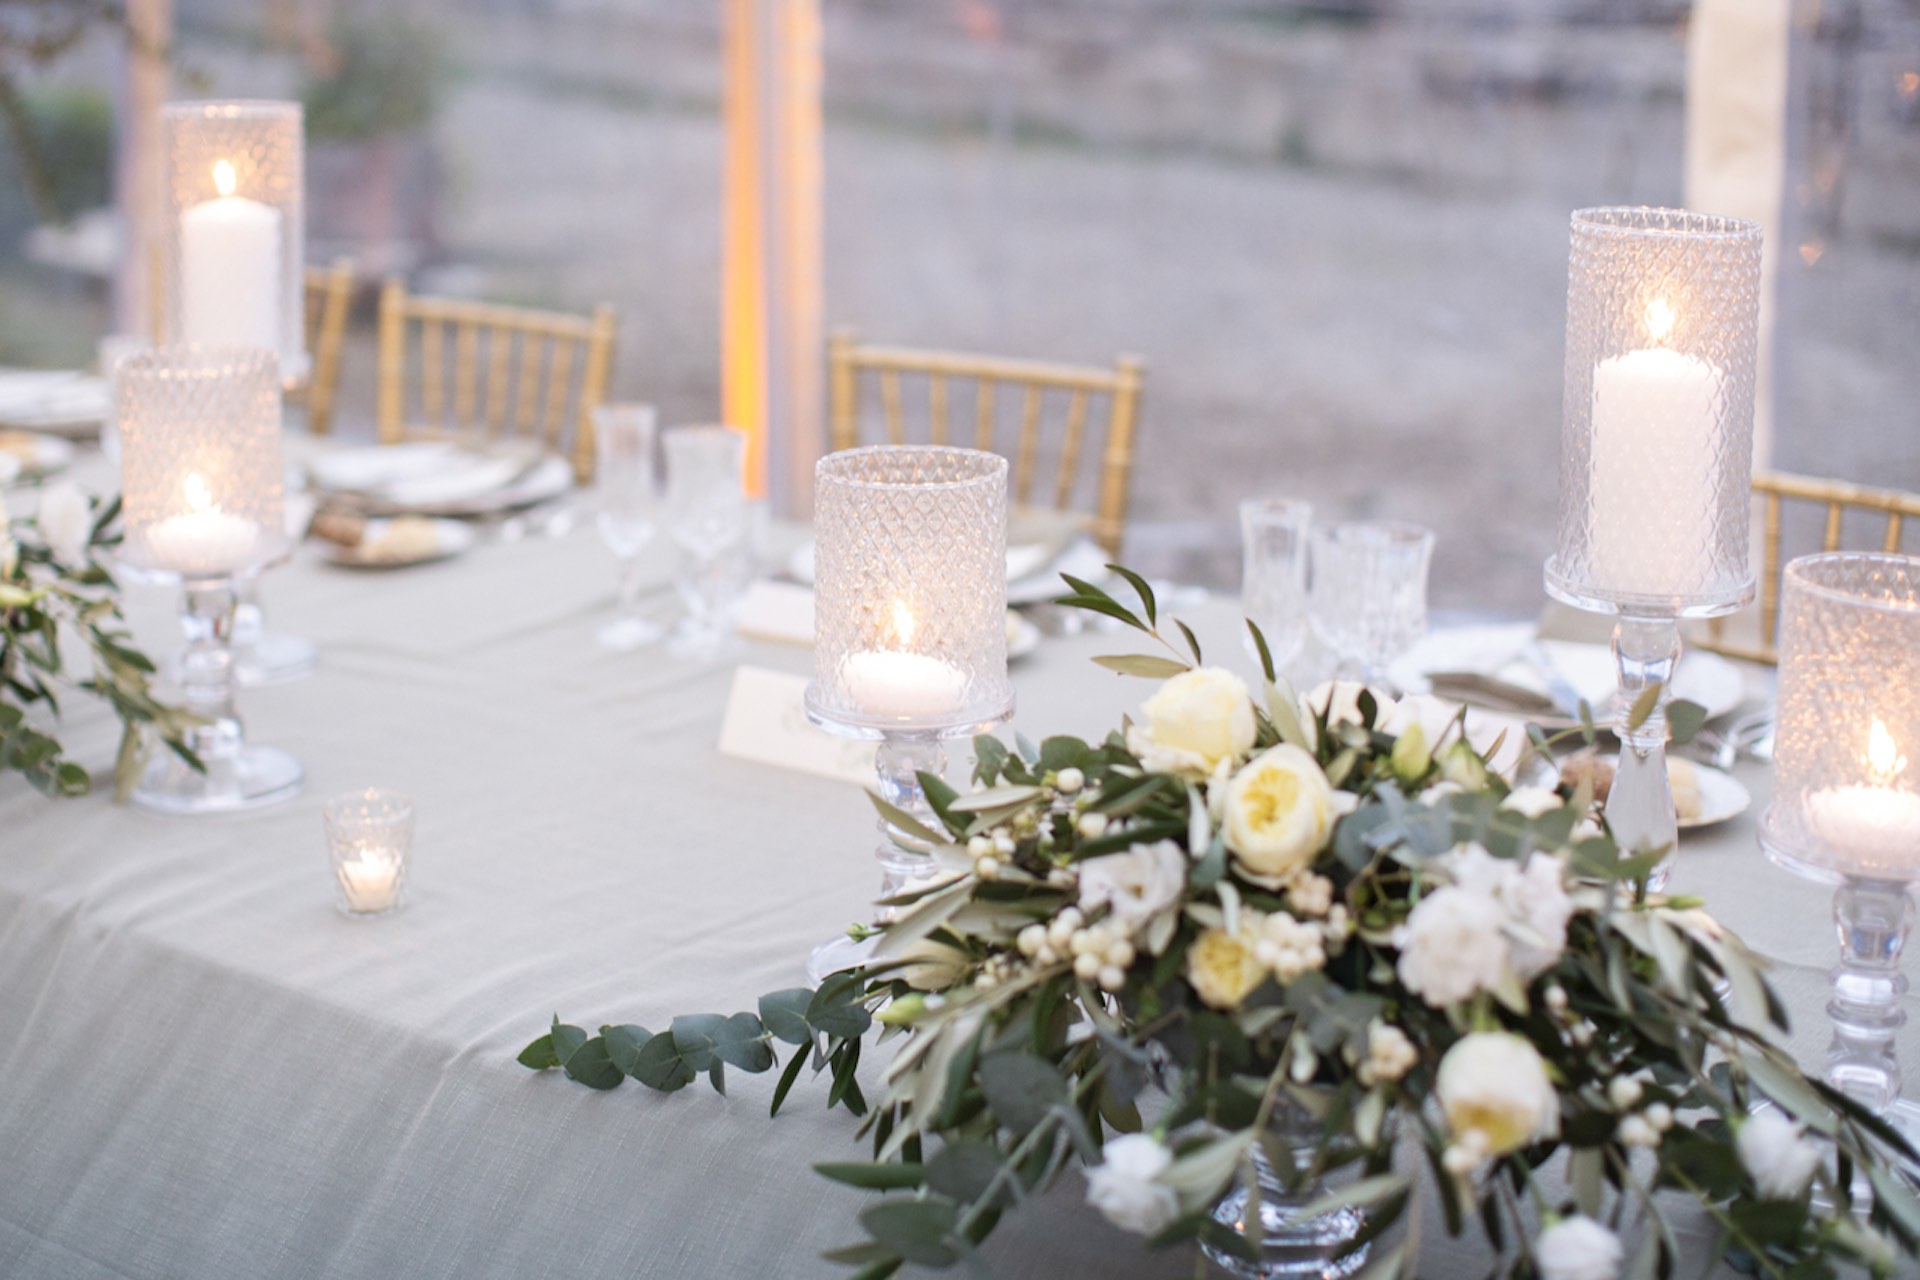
776,611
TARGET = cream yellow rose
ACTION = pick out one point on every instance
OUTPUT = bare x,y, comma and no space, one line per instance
1494,1090
1222,967
1193,723
1279,812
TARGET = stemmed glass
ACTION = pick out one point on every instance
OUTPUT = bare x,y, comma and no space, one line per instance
708,519
1369,592
1273,568
626,495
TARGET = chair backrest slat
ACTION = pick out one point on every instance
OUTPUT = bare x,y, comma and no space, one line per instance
1121,385
549,390
327,299
1835,499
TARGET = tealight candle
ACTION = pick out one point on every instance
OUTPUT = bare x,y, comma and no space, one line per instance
897,683
203,542
370,834
230,268
371,881
1875,823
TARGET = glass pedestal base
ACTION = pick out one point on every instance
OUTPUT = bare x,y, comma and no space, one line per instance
250,778
273,658
1307,1250
836,954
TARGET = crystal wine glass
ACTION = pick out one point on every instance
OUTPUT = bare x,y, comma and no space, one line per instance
708,519
1273,582
1369,592
626,498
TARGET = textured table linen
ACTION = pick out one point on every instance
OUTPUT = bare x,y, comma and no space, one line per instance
206,1071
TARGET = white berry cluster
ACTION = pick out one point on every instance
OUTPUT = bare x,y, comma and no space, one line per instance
1390,1054
1289,947
1642,1127
1100,952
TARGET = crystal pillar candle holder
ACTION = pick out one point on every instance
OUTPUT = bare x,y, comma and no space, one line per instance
369,838
202,504
910,640
1846,794
1663,312
232,270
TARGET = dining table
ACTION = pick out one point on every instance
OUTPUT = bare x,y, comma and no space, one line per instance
209,1071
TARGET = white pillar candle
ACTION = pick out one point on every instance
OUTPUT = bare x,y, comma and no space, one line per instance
205,542
230,282
371,882
1654,490
1873,824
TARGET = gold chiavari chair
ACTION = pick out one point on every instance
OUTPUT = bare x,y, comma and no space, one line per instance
848,359
513,371
329,297
1802,501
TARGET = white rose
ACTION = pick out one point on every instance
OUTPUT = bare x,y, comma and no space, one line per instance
1279,811
1123,1187
1493,1089
1577,1248
1340,699
1195,723
65,519
1138,884
1532,802
1452,946
1780,1160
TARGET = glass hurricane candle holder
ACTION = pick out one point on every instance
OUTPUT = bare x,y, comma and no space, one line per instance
1656,456
910,636
202,494
369,839
232,270
1846,794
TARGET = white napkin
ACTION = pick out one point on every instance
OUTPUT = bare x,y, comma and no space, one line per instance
776,611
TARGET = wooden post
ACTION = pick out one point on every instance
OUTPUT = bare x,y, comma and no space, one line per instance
145,72
771,352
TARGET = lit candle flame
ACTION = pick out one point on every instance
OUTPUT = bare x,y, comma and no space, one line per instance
1660,319
199,496
224,179
1884,760
903,623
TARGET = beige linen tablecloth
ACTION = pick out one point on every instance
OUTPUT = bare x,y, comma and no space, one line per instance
207,1072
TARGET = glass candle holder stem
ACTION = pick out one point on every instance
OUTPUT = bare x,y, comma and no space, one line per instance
1640,802
1874,919
207,616
899,761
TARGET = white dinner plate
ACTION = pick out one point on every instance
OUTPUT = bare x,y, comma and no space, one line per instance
1705,678
36,455
1722,796
60,402
441,478
450,538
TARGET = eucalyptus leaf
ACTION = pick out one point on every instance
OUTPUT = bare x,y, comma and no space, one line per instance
660,1066
918,1230
784,1013
1021,1088
590,1065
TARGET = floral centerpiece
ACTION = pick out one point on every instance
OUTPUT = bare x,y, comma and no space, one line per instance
1246,945
54,588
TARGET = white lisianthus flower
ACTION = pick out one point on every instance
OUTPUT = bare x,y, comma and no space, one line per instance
1279,811
1137,885
1194,724
1533,895
1123,1185
1493,1089
1452,946
65,519
1340,699
1532,802
1779,1159
1578,1248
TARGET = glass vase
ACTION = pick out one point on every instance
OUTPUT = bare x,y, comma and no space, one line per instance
1317,1248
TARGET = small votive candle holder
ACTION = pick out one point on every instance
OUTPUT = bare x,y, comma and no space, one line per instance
370,837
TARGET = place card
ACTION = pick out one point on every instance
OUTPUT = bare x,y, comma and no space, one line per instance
778,611
766,722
